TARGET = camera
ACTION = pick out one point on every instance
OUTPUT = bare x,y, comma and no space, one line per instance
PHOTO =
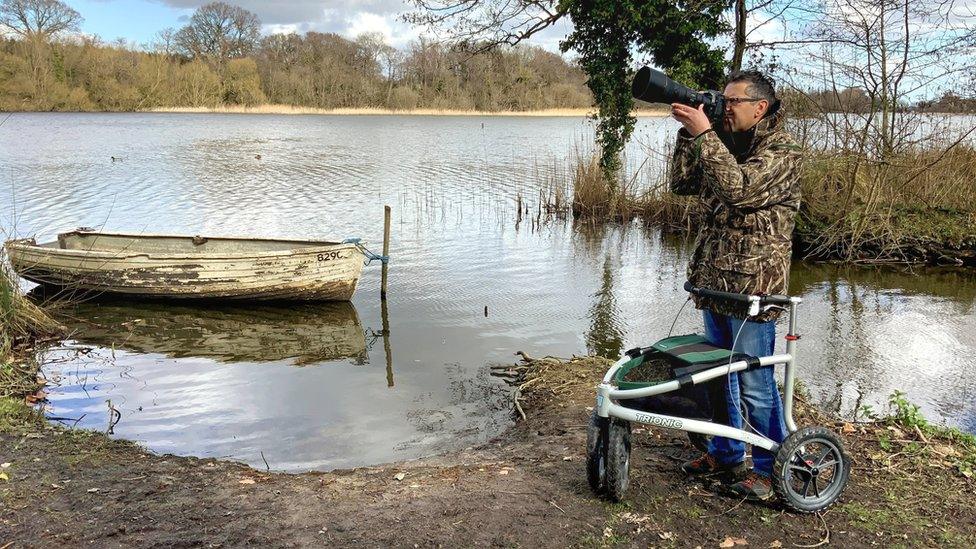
655,87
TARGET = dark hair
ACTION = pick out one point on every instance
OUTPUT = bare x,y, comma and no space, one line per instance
760,85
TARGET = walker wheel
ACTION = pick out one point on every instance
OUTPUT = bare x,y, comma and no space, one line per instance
618,458
811,469
596,444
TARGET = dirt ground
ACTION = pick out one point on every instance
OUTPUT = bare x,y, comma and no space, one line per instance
63,488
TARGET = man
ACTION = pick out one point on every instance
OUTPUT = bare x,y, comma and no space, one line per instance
746,175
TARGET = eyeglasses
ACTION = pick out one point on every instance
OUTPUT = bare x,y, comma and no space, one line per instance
732,101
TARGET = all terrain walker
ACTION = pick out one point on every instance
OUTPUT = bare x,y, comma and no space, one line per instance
811,466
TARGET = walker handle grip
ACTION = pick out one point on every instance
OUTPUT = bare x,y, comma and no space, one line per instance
775,300
744,298
728,296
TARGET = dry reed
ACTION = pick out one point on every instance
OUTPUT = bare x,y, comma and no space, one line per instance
644,194
21,321
915,205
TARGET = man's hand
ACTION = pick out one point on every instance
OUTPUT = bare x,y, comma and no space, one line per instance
694,120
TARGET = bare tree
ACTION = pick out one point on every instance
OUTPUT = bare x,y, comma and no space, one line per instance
164,42
485,24
377,55
370,46
38,19
893,50
861,64
391,59
219,32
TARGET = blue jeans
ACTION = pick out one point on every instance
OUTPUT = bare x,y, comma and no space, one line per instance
757,388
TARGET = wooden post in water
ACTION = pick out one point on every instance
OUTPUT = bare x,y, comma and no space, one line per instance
386,249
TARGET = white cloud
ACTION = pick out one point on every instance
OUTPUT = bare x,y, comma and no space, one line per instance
286,28
760,29
397,33
350,18
324,14
369,22
550,37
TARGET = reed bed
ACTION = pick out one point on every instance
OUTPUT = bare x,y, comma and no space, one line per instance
644,195
915,205
21,321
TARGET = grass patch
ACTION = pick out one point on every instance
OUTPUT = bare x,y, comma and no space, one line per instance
21,324
18,378
960,448
873,518
15,416
919,470
609,536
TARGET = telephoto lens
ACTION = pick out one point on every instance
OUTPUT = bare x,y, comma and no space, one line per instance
653,86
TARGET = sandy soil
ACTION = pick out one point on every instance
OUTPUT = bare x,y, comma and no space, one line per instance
527,488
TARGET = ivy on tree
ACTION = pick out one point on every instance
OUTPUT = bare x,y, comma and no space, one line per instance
610,37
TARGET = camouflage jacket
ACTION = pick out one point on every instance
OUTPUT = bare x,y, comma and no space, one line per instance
749,202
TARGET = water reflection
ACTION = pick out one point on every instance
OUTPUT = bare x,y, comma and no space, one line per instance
605,338
889,328
952,283
306,333
387,352
553,286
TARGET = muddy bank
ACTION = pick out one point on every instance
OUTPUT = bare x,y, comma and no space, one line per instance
922,236
524,488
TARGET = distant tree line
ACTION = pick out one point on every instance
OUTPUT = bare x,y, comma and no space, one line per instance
948,102
220,58
858,101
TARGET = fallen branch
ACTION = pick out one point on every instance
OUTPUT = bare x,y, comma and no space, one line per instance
519,408
920,435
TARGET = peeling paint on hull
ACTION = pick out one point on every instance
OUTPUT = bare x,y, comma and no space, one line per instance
177,267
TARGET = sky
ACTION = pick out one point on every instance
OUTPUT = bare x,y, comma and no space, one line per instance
138,21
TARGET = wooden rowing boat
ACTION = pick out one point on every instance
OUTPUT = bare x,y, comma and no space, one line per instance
191,267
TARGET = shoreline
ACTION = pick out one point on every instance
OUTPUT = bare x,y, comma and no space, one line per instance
527,487
376,111
369,111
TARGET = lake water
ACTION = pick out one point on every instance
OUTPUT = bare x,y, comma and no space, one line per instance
319,386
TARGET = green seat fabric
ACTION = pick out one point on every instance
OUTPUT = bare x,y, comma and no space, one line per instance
669,343
694,349
685,355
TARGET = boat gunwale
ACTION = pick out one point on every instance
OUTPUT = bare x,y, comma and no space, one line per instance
30,245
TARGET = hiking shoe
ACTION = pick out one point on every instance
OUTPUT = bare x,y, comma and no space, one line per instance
708,465
755,487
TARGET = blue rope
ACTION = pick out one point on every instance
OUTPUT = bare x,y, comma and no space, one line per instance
370,256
